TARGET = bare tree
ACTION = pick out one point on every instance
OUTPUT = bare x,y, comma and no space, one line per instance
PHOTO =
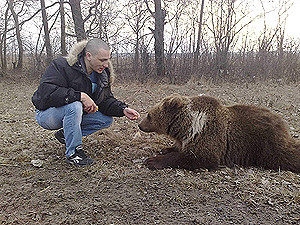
226,24
3,49
271,41
47,33
145,60
159,16
78,21
181,30
136,18
18,35
284,6
103,19
267,36
197,51
175,16
62,28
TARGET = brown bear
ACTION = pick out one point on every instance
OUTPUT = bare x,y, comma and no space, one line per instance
208,134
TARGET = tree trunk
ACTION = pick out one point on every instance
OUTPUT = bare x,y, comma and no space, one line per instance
62,28
145,62
159,39
197,51
78,21
47,35
18,34
3,43
136,64
137,28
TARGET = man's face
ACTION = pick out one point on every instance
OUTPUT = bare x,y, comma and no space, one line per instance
97,62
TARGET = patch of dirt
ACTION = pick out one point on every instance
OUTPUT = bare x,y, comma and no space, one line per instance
118,189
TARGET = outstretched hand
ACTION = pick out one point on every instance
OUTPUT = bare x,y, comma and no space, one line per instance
131,114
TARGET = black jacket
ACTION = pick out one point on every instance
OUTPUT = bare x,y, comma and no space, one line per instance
61,84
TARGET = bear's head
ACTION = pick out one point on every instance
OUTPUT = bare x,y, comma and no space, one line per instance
160,117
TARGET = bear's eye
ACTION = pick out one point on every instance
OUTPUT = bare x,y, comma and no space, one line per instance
148,117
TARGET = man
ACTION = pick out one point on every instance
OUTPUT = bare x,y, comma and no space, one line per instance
75,94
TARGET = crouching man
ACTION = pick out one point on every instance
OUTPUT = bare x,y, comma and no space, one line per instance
75,98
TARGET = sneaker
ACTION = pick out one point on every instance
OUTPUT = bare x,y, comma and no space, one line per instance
79,158
59,135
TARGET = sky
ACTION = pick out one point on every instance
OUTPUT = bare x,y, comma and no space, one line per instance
293,21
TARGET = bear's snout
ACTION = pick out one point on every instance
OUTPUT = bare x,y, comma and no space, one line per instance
140,127
145,126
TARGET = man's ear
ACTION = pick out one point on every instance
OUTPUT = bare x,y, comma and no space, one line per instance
88,55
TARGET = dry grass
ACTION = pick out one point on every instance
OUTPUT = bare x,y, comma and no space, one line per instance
118,189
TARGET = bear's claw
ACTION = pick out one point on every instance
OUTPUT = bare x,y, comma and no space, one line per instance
154,163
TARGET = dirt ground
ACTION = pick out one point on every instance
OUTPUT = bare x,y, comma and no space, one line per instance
37,186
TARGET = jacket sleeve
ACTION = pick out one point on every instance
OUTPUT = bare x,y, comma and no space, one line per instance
53,90
110,106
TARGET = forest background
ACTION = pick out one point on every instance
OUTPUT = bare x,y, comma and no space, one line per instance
173,41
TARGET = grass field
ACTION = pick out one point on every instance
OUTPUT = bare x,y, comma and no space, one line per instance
118,188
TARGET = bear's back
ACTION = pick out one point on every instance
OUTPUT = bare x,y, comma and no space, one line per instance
256,137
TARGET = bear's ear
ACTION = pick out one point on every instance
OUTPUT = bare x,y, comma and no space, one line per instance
173,102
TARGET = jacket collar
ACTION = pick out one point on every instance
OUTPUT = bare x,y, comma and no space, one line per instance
81,62
75,51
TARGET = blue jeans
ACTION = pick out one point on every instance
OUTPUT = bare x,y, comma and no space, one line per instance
75,124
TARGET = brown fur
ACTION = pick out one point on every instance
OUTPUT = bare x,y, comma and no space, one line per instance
208,134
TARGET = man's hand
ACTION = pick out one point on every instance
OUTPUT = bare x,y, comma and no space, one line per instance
88,104
131,114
